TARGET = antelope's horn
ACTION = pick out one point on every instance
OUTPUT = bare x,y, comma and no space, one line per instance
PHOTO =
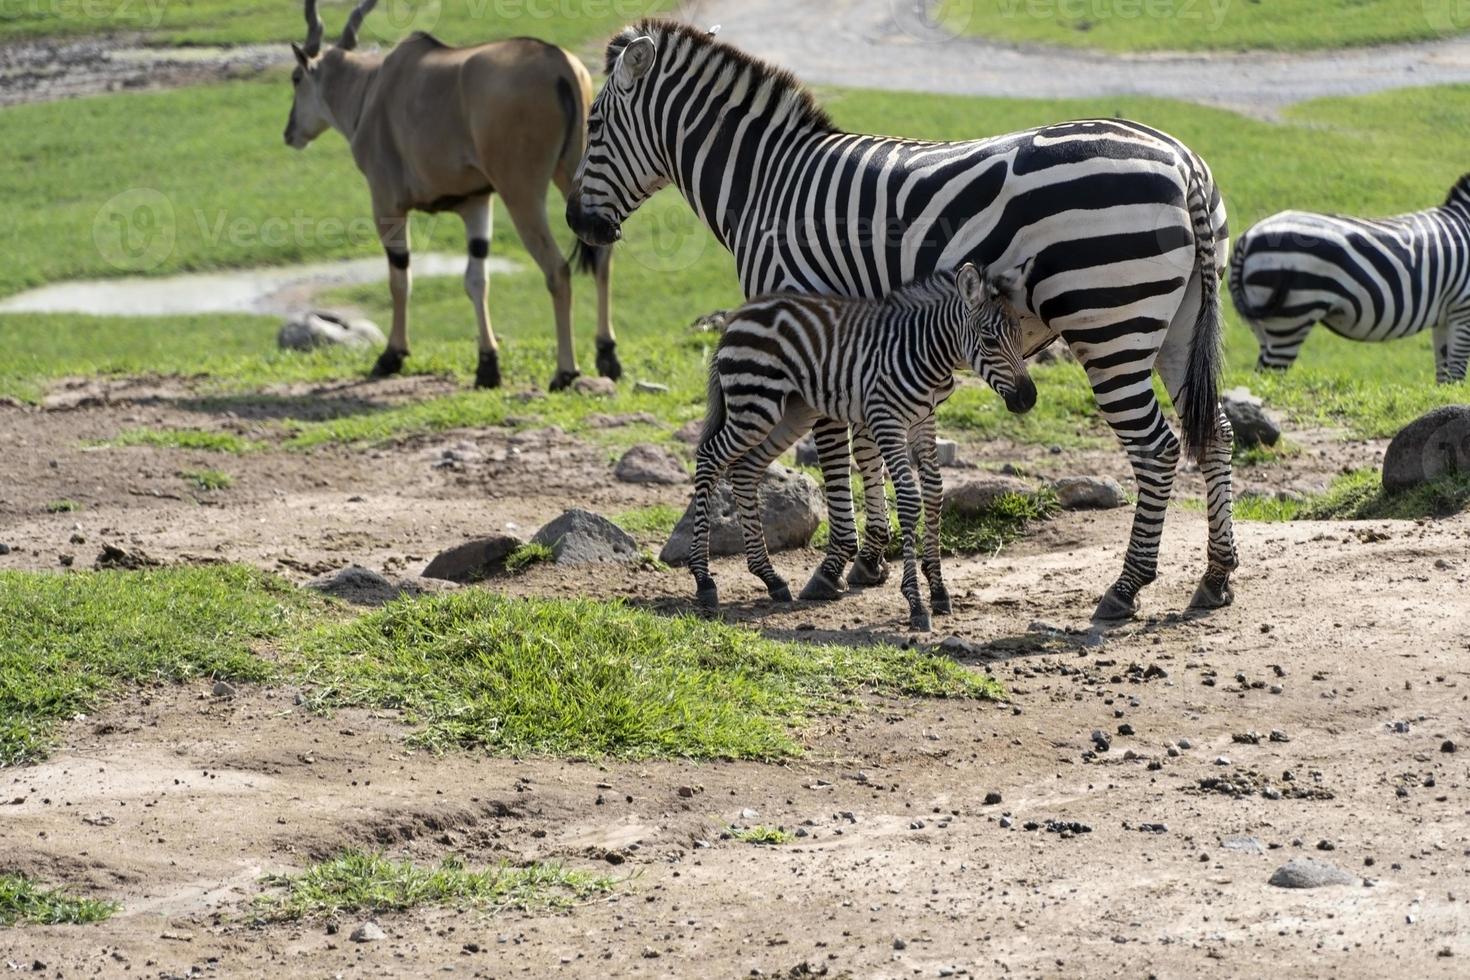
313,29
354,23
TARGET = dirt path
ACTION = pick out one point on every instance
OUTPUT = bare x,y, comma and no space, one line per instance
177,803
883,44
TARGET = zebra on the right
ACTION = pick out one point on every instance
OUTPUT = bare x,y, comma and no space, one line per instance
1364,278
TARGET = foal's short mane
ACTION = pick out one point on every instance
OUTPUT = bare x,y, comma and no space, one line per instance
808,112
923,292
1460,193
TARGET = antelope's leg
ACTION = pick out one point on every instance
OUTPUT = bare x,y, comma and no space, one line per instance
392,228
479,226
529,215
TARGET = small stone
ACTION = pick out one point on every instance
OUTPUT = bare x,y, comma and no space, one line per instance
473,560
1006,823
686,792
1222,760
223,689
4,548
580,537
1185,744
1089,493
1101,740
595,387
1447,745
900,944
946,452
1125,729
368,932
649,464
1309,873
323,328
651,388
992,798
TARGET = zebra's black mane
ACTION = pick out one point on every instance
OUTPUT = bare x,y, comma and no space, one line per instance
808,112
1460,193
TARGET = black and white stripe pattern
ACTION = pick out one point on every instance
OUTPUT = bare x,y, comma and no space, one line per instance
1120,224
884,365
1363,278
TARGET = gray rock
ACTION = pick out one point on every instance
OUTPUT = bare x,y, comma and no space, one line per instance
474,560
580,537
223,689
322,328
946,452
979,494
1310,873
806,451
361,586
791,509
647,463
1243,843
595,387
1089,493
1054,352
1253,427
689,432
651,387
368,932
1434,444
4,548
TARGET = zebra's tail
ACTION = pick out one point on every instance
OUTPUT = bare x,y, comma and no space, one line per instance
1237,285
1199,405
714,405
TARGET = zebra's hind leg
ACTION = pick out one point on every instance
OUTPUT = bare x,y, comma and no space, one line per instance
1214,589
871,566
892,438
1153,449
739,432
931,482
826,582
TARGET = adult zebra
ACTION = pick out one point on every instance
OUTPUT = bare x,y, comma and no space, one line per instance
1120,222
1365,279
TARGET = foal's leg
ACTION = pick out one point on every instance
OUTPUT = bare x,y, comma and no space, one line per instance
892,438
926,454
745,479
715,454
871,566
826,582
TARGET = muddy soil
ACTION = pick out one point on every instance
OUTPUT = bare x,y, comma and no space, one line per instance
1347,638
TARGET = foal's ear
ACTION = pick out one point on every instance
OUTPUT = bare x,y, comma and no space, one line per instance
636,59
970,285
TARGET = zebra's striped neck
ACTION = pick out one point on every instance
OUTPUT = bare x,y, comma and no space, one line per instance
1458,198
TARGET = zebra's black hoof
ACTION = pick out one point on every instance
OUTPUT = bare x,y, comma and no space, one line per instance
608,364
823,588
1212,595
563,380
1114,608
919,621
939,602
389,362
780,592
487,374
707,597
867,573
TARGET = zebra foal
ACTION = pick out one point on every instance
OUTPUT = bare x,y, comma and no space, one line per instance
1363,278
787,359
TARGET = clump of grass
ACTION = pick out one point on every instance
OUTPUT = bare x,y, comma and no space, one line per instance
70,638
22,901
590,679
760,835
528,554
657,520
207,480
62,506
358,882
1359,496
991,529
215,442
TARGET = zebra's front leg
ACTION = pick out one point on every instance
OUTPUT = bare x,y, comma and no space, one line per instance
826,582
1153,449
1214,589
931,482
892,439
871,566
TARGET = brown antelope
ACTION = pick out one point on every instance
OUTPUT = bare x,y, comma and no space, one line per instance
435,128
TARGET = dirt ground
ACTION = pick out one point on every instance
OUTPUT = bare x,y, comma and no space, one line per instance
177,803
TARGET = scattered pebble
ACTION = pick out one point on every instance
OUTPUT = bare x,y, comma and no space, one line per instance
368,932
992,798
223,689
1447,745
1308,873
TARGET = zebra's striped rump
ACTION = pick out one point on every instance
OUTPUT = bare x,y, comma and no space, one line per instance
885,365
1364,279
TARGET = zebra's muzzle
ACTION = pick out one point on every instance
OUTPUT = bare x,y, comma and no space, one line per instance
592,228
1023,398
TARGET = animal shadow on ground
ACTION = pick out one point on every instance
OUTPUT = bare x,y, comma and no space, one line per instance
310,407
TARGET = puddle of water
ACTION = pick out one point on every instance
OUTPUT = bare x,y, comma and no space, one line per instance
204,54
283,290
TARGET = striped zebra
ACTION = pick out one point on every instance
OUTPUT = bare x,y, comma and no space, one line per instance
886,365
1364,278
1121,225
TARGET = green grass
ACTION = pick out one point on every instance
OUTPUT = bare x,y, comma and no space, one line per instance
760,835
207,480
70,639
655,521
22,901
1007,519
576,25
528,554
1360,496
355,882
1149,25
587,679
215,442
62,506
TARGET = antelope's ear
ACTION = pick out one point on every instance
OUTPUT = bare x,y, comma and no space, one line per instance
970,286
301,58
636,59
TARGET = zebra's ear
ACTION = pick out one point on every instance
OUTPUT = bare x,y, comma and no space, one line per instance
971,288
636,59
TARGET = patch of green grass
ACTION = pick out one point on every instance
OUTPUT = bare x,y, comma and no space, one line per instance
760,835
208,480
215,442
21,900
70,639
1360,496
1002,522
355,882
528,554
1262,455
62,506
1192,25
588,679
655,521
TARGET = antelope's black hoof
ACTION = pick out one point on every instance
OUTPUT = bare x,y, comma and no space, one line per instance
487,374
608,364
1114,608
867,572
919,621
389,362
780,592
823,588
563,380
1214,594
939,602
